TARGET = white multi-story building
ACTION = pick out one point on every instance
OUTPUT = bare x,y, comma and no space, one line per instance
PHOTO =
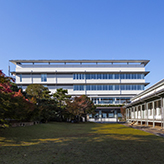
104,81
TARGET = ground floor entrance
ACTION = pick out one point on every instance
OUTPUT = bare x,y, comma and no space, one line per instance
106,114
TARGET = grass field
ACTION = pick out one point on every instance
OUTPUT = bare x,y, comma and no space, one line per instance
84,143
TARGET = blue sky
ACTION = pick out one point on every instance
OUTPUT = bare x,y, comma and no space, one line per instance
83,29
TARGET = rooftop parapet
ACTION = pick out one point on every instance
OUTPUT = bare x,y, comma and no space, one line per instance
144,62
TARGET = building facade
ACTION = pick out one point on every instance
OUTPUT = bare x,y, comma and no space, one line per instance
146,108
104,81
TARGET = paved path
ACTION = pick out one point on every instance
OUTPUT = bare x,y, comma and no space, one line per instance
157,131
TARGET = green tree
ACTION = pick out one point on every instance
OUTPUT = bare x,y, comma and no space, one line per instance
38,91
47,110
61,96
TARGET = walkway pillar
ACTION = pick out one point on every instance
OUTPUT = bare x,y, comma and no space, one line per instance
141,113
162,106
147,113
137,114
153,113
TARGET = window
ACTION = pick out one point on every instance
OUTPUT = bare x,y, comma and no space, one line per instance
110,76
138,76
73,76
142,76
123,87
116,87
82,76
90,115
110,87
128,87
128,76
78,87
105,87
111,114
99,87
98,76
104,76
93,87
116,76
104,115
43,77
78,76
122,76
87,76
87,87
93,76
20,77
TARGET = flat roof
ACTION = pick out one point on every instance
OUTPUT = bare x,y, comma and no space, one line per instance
150,92
153,87
80,61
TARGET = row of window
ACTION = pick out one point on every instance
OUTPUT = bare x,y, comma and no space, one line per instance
157,104
43,77
105,115
108,87
157,111
97,76
107,76
111,100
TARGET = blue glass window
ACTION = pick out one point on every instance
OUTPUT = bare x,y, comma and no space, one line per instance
99,76
110,87
127,76
142,76
20,77
99,87
122,76
87,87
87,76
93,87
128,87
104,76
78,87
110,76
105,87
116,87
82,76
116,76
43,77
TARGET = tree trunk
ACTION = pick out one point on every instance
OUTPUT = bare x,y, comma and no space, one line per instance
85,117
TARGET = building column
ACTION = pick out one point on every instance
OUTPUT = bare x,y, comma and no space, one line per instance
97,101
116,115
100,115
137,114
85,83
126,115
147,113
141,113
130,113
133,113
31,77
153,113
162,107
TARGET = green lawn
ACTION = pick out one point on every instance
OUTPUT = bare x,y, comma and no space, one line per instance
83,143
